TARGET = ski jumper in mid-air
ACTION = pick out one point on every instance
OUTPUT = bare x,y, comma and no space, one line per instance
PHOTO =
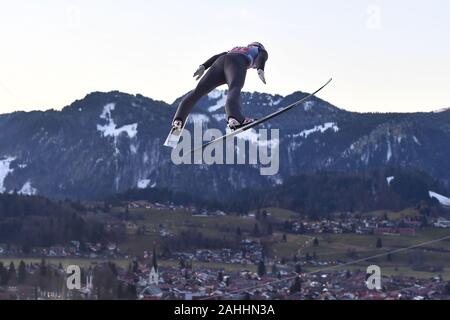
225,68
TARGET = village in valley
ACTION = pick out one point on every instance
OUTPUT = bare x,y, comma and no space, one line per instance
164,251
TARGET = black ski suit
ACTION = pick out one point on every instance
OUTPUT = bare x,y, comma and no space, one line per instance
226,68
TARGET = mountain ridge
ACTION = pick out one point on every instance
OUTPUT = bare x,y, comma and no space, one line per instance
109,142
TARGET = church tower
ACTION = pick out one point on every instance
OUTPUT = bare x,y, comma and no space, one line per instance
154,276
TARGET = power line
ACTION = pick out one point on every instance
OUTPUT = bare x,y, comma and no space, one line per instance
332,267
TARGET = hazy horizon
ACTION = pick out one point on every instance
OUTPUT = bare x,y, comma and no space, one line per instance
383,56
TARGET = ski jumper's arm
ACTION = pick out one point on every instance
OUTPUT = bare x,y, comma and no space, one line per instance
261,59
213,59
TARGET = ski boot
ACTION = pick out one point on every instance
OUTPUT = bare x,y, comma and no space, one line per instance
233,124
175,134
177,125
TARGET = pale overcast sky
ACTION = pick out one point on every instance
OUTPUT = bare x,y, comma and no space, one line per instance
383,55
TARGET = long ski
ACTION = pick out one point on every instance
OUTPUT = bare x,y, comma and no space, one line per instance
262,120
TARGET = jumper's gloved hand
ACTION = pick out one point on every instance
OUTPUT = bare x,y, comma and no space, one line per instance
261,75
199,73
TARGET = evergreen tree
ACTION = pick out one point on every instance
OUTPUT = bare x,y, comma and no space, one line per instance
106,207
135,266
302,228
269,229
379,243
182,263
113,268
132,291
264,215
316,242
154,260
296,286
12,275
424,221
261,268
256,230
36,292
274,268
130,269
120,293
3,275
43,268
22,272
447,288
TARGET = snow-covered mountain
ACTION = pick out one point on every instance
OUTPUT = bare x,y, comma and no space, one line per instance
110,142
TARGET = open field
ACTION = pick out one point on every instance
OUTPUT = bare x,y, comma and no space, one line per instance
85,263
392,215
332,247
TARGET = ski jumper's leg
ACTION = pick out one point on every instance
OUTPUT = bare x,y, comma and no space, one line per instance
211,80
235,72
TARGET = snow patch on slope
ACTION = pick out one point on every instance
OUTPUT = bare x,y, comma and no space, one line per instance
144,183
219,117
442,199
27,189
255,138
389,151
215,94
110,128
198,118
320,128
389,180
400,139
4,171
308,105
275,102
221,98
277,180
145,157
